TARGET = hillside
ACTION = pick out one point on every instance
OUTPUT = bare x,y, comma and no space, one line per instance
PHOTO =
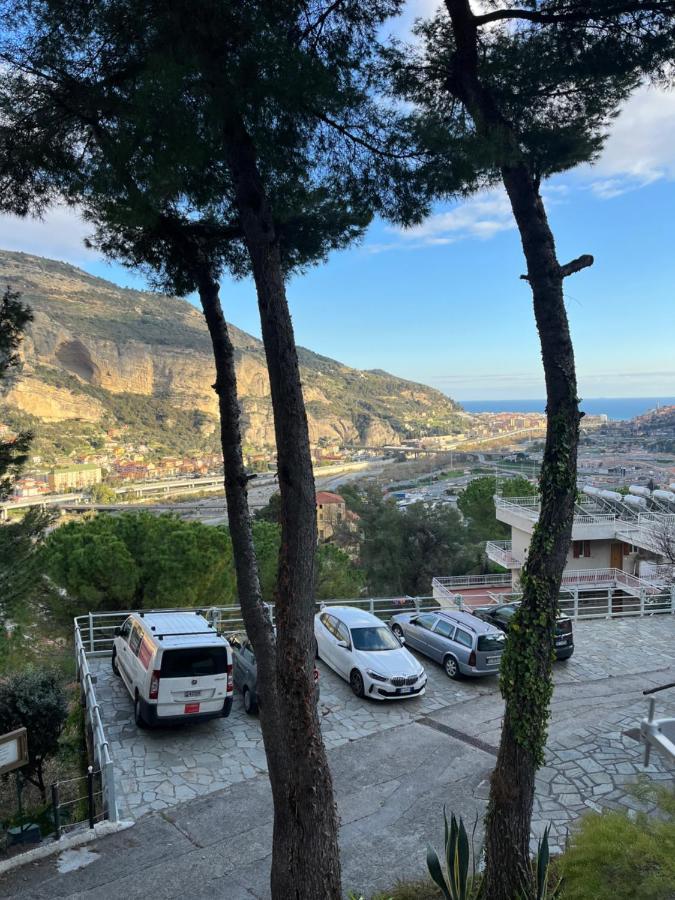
99,356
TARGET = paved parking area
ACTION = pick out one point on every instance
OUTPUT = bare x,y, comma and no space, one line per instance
161,767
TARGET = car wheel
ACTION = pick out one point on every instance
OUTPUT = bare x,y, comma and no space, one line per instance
115,667
356,683
398,631
451,667
250,704
138,715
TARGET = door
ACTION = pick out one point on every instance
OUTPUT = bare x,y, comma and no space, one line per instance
440,639
343,655
418,632
616,559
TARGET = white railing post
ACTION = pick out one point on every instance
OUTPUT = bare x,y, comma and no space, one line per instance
610,611
91,633
108,776
672,598
642,602
575,608
371,606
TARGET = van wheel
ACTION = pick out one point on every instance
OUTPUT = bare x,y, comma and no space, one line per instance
451,667
250,704
356,682
138,715
115,667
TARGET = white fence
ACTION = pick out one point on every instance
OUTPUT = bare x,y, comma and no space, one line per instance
101,750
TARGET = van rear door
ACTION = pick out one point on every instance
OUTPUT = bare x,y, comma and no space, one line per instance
193,680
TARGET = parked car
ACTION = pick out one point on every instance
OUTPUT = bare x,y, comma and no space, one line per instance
246,672
502,616
461,643
175,667
362,650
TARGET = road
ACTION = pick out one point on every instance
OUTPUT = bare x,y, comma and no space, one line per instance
391,787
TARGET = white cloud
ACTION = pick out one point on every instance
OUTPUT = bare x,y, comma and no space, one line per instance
641,147
59,235
481,217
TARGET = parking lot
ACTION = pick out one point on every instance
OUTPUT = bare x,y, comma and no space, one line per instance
156,769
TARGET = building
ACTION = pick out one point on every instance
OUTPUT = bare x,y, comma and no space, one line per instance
76,477
331,512
620,560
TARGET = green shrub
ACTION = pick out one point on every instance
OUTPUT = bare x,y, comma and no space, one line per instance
614,857
34,699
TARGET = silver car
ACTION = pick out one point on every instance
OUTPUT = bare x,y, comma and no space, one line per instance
460,642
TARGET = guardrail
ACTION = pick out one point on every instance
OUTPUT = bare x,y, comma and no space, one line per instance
99,742
501,552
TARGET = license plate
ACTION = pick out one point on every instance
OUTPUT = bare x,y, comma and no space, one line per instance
492,660
191,708
405,690
192,693
561,642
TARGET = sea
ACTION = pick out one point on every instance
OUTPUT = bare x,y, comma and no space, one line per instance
615,408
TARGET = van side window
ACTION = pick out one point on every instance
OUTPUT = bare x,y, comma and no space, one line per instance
125,630
135,639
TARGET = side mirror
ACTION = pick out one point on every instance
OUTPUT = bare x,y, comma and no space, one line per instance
413,621
118,631
344,645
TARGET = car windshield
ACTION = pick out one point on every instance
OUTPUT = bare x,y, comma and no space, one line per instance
376,638
507,612
491,642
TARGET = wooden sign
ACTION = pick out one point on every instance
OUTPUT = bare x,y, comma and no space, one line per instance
13,750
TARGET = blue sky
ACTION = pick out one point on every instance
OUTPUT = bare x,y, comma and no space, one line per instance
443,304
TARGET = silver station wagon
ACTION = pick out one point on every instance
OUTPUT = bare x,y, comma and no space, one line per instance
460,642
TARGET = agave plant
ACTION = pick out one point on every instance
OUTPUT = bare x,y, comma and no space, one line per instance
457,857
458,886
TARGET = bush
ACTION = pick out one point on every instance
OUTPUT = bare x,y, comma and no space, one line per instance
34,699
614,857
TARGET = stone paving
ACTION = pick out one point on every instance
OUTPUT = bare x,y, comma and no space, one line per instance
587,768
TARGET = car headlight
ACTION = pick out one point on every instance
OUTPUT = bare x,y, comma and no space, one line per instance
376,675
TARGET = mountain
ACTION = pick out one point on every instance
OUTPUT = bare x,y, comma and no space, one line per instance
99,356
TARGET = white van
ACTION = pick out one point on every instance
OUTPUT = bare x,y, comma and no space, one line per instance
175,666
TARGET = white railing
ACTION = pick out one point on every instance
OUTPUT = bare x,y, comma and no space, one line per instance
529,508
96,631
501,552
102,756
657,573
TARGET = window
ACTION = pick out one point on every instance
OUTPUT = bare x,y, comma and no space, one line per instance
463,637
135,639
427,621
328,622
444,628
375,638
191,662
342,633
125,630
491,642
581,548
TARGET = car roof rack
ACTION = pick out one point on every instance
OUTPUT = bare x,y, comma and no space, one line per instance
187,633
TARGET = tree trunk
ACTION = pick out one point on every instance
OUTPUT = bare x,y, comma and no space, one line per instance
254,612
525,678
305,860
526,668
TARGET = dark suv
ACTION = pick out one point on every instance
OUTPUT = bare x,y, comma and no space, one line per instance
502,616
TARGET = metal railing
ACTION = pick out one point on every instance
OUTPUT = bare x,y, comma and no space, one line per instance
101,749
501,552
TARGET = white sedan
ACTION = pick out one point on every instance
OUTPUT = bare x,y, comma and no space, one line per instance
360,648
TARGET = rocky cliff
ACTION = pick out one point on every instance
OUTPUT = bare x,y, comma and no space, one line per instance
95,350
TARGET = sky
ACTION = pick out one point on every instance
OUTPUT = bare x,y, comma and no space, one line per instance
443,303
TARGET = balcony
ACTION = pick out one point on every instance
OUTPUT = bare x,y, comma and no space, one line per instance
501,552
591,522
